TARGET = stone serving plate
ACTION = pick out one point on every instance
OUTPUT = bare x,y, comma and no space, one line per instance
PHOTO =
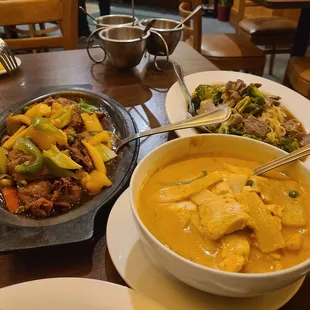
21,232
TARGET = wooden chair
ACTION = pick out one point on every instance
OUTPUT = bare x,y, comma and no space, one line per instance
61,12
274,34
226,51
298,75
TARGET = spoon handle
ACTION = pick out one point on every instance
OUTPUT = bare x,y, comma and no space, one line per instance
82,9
199,7
180,75
302,152
215,116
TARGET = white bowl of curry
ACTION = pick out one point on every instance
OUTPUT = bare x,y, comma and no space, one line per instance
206,219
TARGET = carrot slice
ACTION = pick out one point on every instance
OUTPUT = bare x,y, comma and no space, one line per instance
11,198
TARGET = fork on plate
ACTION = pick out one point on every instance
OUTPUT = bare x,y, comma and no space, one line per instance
7,58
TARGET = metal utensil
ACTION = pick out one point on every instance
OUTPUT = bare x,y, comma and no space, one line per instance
198,8
302,152
81,8
179,73
133,11
148,26
7,58
215,116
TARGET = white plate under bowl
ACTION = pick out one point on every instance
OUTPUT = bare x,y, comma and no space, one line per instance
176,105
73,294
3,71
135,268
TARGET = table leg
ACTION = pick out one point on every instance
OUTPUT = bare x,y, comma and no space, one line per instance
302,34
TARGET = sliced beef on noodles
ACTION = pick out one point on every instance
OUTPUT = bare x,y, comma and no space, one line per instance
254,126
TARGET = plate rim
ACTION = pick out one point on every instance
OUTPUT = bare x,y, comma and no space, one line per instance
102,283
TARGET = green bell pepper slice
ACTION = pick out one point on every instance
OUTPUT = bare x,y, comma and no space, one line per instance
87,108
44,124
28,147
57,171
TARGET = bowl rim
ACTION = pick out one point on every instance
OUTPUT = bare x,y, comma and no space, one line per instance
114,25
102,37
161,29
268,275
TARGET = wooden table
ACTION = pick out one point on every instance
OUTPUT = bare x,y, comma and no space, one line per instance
143,91
303,30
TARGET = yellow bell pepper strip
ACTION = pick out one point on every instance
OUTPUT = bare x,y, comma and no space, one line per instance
101,137
44,140
91,122
95,181
95,156
64,119
3,161
60,159
87,108
6,182
8,144
57,171
57,110
28,147
44,124
39,110
105,153
14,122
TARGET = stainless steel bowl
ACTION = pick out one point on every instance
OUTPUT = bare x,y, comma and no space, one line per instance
124,45
164,27
115,20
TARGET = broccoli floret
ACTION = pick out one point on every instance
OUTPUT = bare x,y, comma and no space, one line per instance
205,92
226,128
234,131
213,128
257,96
217,95
242,104
271,138
289,144
196,100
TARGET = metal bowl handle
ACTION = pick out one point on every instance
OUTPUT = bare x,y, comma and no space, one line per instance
96,46
167,52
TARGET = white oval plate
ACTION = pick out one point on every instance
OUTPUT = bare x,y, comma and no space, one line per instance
73,294
134,267
3,71
176,105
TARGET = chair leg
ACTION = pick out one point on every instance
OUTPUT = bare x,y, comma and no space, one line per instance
272,58
286,81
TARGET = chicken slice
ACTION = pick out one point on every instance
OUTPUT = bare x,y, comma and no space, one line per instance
219,216
235,252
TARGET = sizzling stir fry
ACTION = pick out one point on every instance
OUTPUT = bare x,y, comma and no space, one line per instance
254,114
52,154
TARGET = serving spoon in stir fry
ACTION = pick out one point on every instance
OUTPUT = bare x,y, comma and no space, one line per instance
218,115
302,152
